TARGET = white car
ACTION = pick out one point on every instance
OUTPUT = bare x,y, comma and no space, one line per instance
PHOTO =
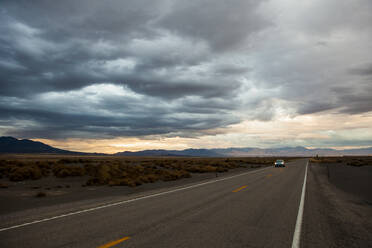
279,163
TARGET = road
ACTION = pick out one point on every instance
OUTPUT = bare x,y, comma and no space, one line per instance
255,209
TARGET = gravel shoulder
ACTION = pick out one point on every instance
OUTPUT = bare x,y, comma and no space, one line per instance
337,211
353,180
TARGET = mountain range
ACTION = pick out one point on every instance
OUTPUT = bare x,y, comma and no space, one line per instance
250,152
13,145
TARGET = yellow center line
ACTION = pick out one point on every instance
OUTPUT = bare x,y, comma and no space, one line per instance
269,175
114,242
238,189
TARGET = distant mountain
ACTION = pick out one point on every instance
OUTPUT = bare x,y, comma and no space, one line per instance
250,152
13,145
174,153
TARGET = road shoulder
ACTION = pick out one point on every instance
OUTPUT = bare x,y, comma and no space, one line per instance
332,217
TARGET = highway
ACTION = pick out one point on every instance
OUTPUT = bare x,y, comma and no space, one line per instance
258,208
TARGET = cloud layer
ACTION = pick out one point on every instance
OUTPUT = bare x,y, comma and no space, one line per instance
105,69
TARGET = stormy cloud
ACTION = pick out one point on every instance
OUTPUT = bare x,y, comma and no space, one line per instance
106,69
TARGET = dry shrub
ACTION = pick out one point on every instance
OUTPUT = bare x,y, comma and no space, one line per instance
122,174
19,171
150,178
123,182
72,161
120,171
24,173
171,175
349,160
201,168
92,182
222,169
357,162
44,166
68,171
327,160
104,174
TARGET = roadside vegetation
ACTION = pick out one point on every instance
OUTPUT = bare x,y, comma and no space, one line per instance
348,160
120,171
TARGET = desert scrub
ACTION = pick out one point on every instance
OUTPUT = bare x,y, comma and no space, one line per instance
92,182
123,174
327,160
123,182
24,173
149,178
201,168
61,170
171,175
119,170
103,173
357,162
19,171
74,161
44,166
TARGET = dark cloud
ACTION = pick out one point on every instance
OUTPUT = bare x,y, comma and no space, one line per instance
110,111
223,24
359,101
315,107
95,68
363,70
66,45
55,125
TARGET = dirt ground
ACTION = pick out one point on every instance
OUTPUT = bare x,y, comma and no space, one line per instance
353,180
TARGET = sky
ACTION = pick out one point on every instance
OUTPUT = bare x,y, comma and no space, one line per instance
109,76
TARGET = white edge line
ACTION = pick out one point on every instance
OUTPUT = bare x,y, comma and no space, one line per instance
128,201
297,231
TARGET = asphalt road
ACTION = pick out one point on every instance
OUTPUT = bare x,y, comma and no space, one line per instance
255,209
